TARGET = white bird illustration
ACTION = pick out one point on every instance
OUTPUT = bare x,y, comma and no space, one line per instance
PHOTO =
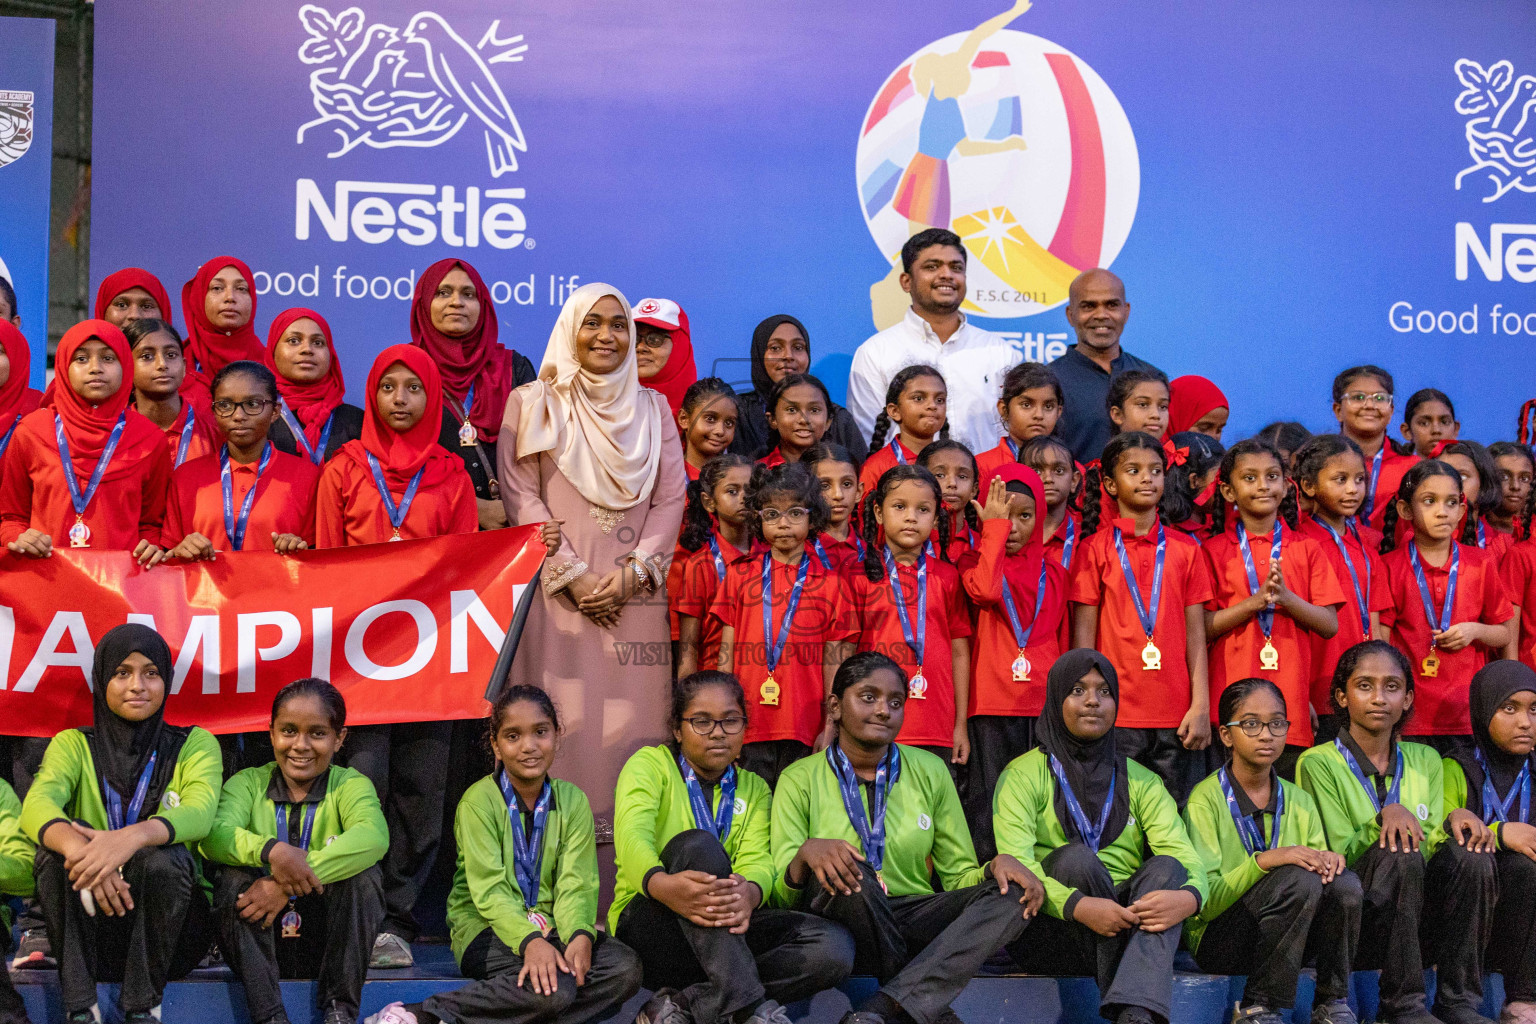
459,71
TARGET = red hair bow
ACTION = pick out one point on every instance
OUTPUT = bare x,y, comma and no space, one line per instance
1440,447
1176,456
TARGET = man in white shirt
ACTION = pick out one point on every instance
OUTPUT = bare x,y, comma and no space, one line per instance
935,332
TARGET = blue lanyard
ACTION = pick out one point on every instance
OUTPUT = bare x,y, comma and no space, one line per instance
1495,809
870,827
1444,617
1013,446
1090,833
1248,830
305,828
469,400
1021,633
821,555
1360,597
186,434
1394,791
5,442
1147,616
1482,536
1066,545
1368,505
397,513
235,528
717,824
775,647
896,450
115,817
527,850
714,552
916,638
317,453
82,502
1266,614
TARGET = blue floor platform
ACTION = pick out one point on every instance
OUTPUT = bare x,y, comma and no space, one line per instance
213,997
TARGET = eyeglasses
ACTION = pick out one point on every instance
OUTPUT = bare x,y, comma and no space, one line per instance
792,515
704,725
251,406
1252,727
1361,398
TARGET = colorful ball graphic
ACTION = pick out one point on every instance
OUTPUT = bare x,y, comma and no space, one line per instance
1022,150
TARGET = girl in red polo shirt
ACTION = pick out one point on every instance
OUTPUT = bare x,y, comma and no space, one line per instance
1330,470
954,467
1138,588
838,547
248,496
912,607
786,622
1020,597
715,533
1030,407
916,402
85,469
1449,611
1274,589
707,422
799,410
1362,403
1515,471
1061,526
159,371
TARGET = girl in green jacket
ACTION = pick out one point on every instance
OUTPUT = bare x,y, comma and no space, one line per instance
1081,815
859,830
1383,807
522,915
694,869
1493,781
115,811
1277,893
297,843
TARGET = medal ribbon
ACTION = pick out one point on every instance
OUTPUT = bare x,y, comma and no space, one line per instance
82,502
1266,614
316,454
1021,633
1147,618
5,441
527,850
1482,536
306,827
1089,832
916,639
1360,597
821,554
714,552
186,435
1368,504
870,826
1495,809
397,513
895,446
1066,545
1248,830
1013,446
1394,791
115,817
775,647
1444,616
717,824
233,527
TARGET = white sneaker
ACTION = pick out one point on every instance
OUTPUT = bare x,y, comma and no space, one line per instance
390,951
394,1013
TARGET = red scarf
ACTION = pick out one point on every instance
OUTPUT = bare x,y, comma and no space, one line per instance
401,455
132,277
87,427
211,347
1190,398
311,401
17,396
476,359
674,379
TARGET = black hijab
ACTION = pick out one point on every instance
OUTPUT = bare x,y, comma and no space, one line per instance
122,748
1088,764
761,382
1493,684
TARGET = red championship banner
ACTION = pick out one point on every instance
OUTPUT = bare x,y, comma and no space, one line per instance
408,631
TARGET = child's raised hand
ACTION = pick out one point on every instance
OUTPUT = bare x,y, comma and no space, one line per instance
997,501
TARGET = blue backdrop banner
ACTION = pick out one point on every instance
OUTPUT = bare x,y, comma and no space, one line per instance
1286,189
26,170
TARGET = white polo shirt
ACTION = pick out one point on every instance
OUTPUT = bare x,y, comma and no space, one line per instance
973,362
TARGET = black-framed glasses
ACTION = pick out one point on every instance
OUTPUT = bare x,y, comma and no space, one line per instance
251,406
705,725
789,515
1252,727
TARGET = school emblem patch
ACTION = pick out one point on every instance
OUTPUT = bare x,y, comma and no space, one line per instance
15,125
924,822
172,798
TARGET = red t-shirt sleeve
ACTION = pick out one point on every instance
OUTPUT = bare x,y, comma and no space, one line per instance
1198,588
157,484
1496,606
1085,583
175,529
842,617
330,506
1213,574
956,609
1394,591
727,597
1380,597
1323,587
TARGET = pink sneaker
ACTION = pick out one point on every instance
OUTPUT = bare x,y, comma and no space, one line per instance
394,1013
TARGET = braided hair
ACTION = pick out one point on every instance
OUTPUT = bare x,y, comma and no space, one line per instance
949,445
1285,436
697,521
1289,509
1488,489
777,392
791,480
705,388
874,542
1420,472
1171,509
898,384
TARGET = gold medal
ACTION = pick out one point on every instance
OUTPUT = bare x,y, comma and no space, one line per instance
396,535
769,692
1151,657
1430,666
79,534
467,436
1021,668
1269,657
917,689
291,923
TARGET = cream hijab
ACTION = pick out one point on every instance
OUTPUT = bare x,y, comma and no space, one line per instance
604,431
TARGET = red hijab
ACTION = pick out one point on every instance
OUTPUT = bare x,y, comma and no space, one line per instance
401,455
680,372
87,426
476,359
17,396
212,348
1190,398
1022,571
312,401
132,277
